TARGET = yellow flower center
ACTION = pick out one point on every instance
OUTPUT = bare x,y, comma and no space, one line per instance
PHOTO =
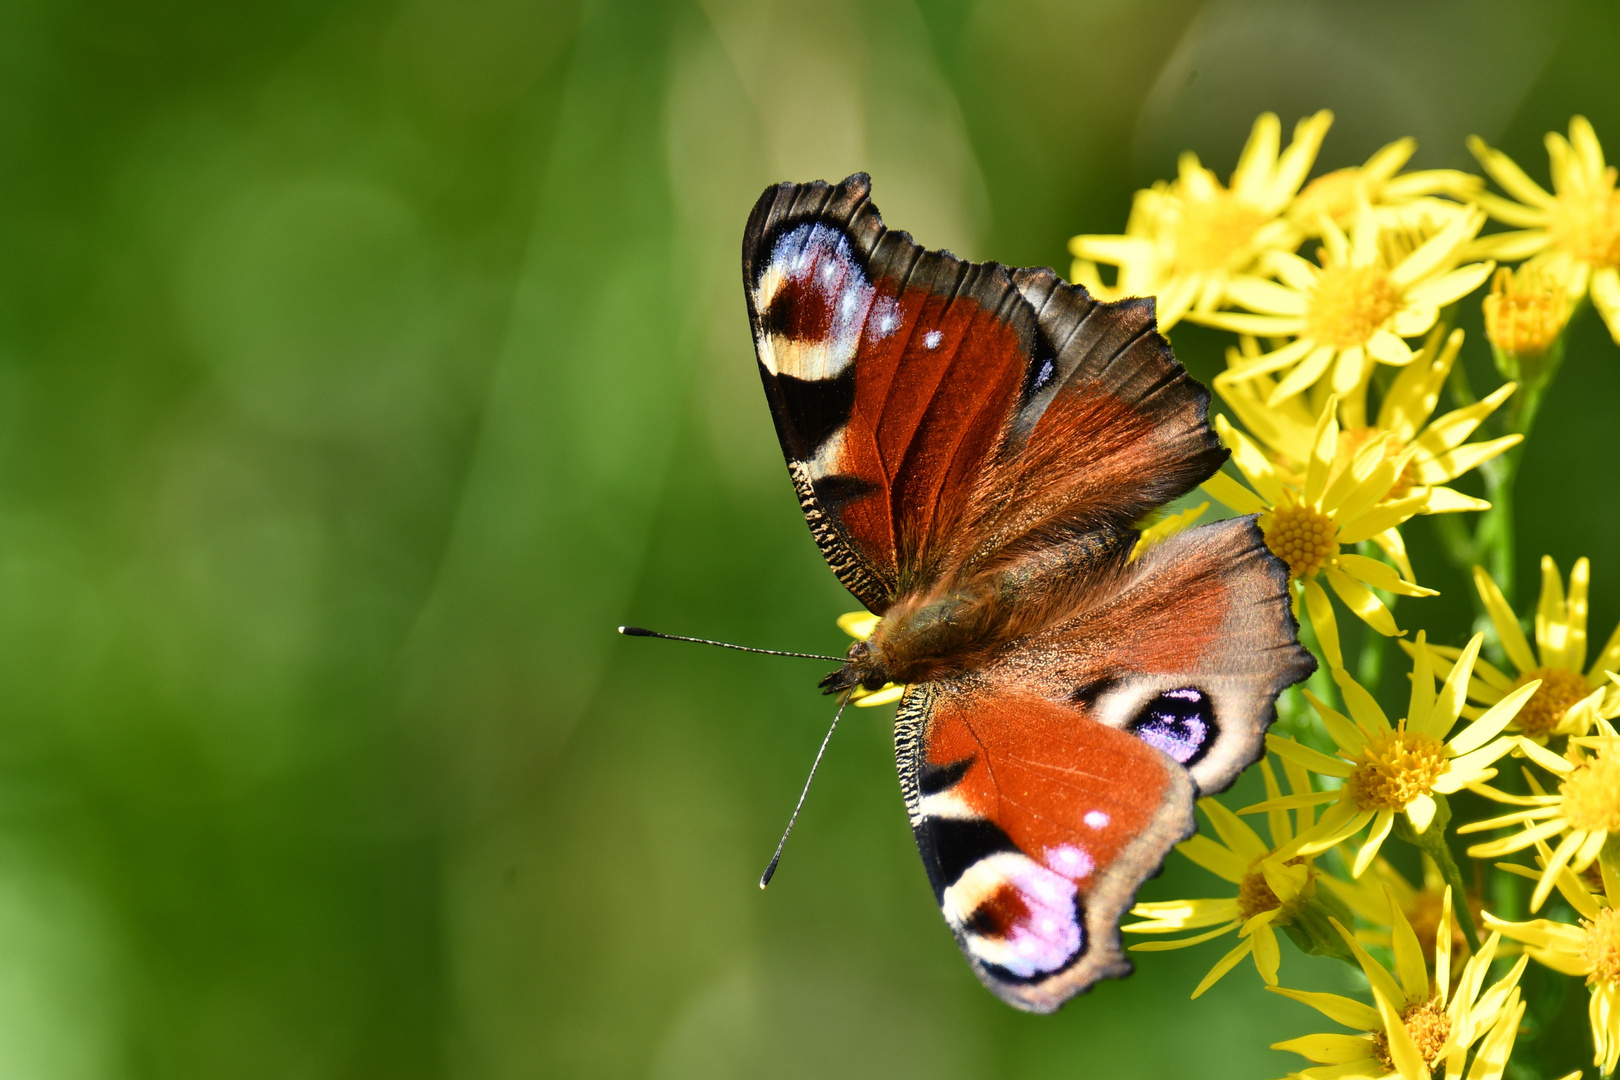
1348,303
1396,767
1601,949
1587,223
1591,794
1300,536
1216,234
1560,688
1255,895
1428,1025
1526,311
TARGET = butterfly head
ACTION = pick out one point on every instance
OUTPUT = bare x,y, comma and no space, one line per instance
864,666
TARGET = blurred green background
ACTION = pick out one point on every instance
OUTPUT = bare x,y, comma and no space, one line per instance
364,362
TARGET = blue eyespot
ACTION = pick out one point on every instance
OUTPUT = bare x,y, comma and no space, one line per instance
1179,722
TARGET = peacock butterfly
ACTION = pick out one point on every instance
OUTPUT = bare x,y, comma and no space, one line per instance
973,447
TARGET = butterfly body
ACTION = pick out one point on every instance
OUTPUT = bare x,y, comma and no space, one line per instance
973,447
924,637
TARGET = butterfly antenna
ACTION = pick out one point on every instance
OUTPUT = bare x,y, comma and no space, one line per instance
638,631
765,878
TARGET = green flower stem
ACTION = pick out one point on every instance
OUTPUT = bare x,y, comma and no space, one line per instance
1432,842
1493,540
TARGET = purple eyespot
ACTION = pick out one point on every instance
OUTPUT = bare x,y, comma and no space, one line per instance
1180,722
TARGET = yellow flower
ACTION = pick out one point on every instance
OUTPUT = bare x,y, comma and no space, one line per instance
1591,949
1185,239
1286,429
1572,695
1389,769
1415,1024
1337,504
1573,232
1271,893
1405,200
1585,809
1355,309
859,625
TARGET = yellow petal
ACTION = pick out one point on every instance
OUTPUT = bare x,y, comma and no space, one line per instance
1551,629
881,696
1402,1050
1360,599
1518,841
1368,716
1381,824
1335,1007
1339,822
1453,463
1277,821
1329,1049
1421,812
1421,701
1230,493
1560,859
1473,768
1305,375
859,624
1409,966
1438,251
1580,582
1448,705
1505,172
1444,500
1178,943
1320,609
1266,297
1345,734
1545,758
1225,964
1383,516
1507,624
1381,981
1211,856
1267,956
1452,429
1291,802
1243,841
1380,575
1497,717
1314,760
1451,286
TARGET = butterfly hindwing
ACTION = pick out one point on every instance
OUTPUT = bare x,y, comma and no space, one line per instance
1045,786
1036,826
1188,646
933,411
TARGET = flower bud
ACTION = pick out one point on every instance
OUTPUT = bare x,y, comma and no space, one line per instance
1525,315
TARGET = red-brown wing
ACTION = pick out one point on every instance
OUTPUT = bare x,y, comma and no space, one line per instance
934,411
1036,825
1045,787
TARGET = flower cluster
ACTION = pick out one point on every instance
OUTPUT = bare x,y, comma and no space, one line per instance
1341,295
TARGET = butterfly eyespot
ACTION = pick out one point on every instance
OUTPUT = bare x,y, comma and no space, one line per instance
1180,722
800,311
